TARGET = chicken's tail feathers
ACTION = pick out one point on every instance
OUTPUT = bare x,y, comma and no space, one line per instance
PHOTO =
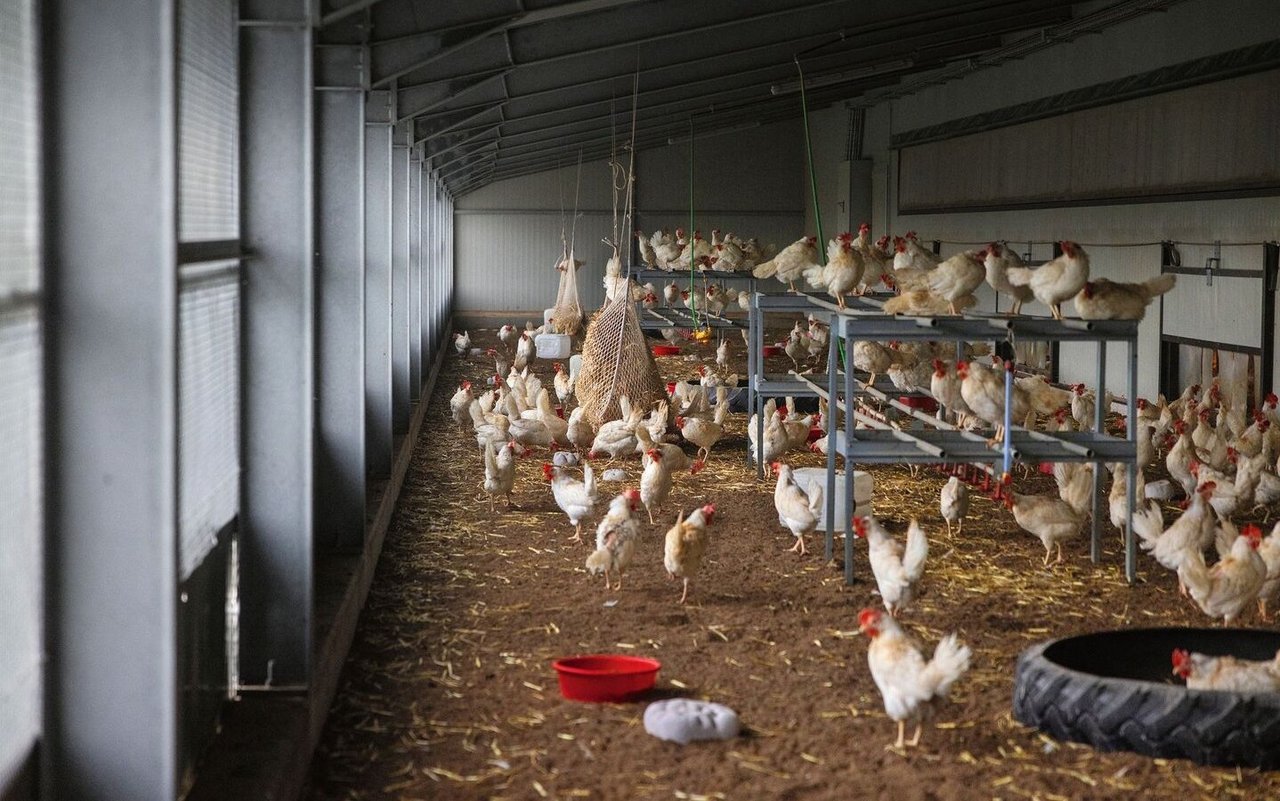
815,499
950,661
1148,524
1194,574
767,269
916,552
1020,276
1160,284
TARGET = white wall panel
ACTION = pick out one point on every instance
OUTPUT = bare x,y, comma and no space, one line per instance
507,261
750,183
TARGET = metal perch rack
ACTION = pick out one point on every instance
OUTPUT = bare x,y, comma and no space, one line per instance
879,442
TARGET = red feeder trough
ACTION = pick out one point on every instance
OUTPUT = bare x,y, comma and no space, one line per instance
770,350
921,404
605,677
666,350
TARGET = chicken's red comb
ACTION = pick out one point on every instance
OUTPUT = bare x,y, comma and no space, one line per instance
709,511
1252,532
860,526
1180,657
631,494
868,617
1271,399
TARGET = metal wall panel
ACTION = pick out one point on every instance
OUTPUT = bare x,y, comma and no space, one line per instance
1213,137
399,288
377,313
507,262
1184,31
414,297
21,419
208,120
21,463
208,411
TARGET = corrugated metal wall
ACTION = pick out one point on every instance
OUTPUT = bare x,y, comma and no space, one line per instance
509,233
1166,38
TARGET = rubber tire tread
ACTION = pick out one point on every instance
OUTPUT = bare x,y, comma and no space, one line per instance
1159,720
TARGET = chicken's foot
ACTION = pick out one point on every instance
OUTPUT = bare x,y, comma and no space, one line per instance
799,546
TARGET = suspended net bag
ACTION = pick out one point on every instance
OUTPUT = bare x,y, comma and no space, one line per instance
566,316
616,361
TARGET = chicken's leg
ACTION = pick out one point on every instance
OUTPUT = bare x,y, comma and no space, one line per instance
650,511
1058,561
948,521
799,546
685,594
960,527
902,734
619,586
1262,610
915,738
606,579
577,533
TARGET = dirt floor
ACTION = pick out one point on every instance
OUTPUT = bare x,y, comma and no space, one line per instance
449,693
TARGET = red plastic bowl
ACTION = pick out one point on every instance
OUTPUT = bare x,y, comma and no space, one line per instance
605,677
671,387
770,350
666,350
816,433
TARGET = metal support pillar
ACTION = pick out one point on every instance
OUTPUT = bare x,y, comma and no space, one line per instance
415,275
277,481
340,303
428,299
400,278
111,686
1099,425
377,283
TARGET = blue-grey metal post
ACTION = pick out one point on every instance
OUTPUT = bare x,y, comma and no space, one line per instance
110,228
850,404
379,114
277,483
1099,426
1130,544
340,470
1006,447
753,365
415,273
830,429
400,144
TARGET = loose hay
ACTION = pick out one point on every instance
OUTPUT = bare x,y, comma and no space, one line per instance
448,691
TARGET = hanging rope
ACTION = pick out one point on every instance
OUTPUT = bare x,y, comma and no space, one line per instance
808,146
693,297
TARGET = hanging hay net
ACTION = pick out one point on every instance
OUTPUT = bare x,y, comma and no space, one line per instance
616,361
567,316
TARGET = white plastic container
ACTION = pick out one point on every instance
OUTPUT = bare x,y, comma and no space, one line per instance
863,487
553,346
575,364
547,314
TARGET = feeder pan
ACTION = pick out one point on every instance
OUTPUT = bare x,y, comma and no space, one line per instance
666,350
769,351
671,387
919,403
606,677
1115,691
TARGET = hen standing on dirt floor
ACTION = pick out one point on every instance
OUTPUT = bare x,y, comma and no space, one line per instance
686,544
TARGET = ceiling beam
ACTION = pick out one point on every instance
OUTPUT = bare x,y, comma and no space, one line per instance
346,11
408,114
464,140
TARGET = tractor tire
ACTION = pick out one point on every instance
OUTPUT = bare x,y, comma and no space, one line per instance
1067,689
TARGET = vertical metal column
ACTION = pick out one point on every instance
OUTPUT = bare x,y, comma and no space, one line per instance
278,321
400,278
110,230
377,283
415,274
1099,418
340,374
428,302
